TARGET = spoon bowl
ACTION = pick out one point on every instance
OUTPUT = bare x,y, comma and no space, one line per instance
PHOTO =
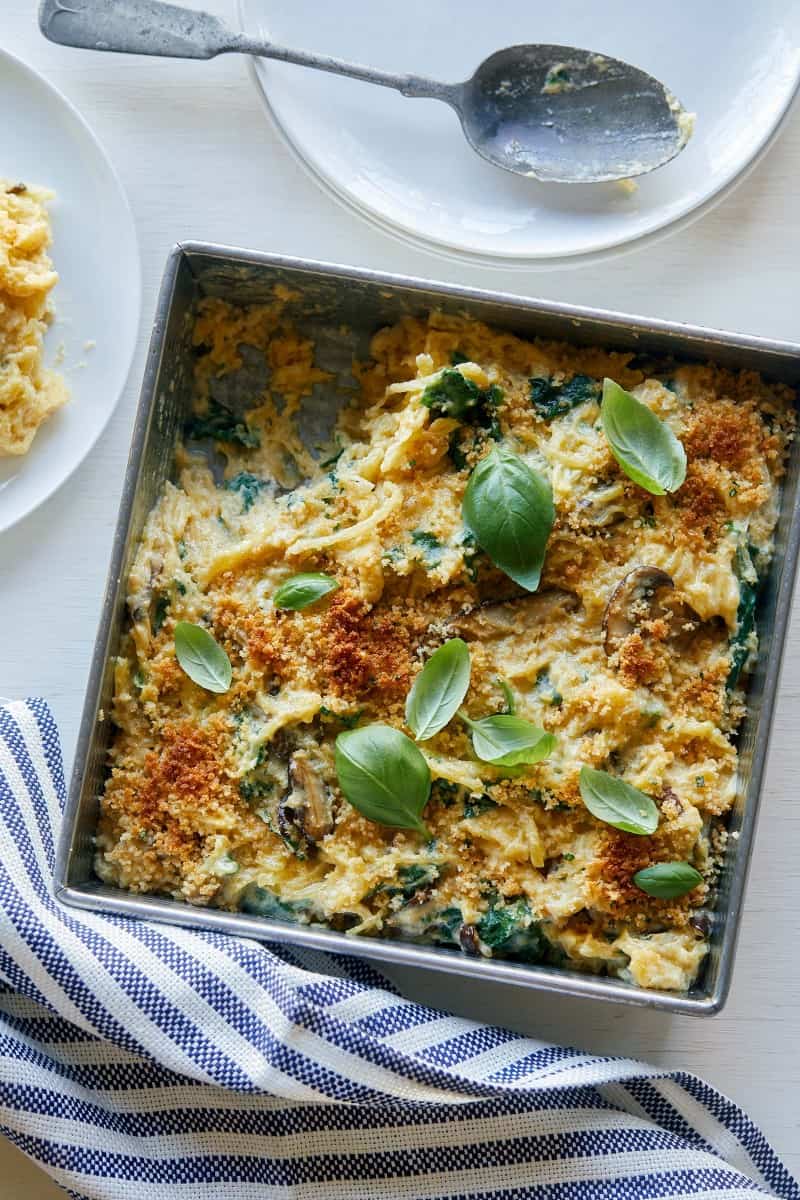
563,115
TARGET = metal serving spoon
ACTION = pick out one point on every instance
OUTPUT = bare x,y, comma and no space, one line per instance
553,113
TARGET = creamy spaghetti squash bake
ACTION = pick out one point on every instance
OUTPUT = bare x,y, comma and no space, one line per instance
29,391
470,675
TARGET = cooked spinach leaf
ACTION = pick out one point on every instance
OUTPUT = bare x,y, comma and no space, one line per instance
745,613
260,903
546,690
348,720
472,555
430,547
248,486
221,424
253,788
160,610
555,399
466,441
462,441
475,806
557,79
333,460
408,881
509,929
453,395
443,791
442,927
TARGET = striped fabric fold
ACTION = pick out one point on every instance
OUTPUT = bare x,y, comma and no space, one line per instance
144,1062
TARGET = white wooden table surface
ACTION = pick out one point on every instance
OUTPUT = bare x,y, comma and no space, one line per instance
199,160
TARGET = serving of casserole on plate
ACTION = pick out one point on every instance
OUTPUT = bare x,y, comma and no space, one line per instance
469,670
29,391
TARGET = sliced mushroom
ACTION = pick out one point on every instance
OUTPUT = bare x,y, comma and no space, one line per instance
144,602
304,810
632,601
643,595
341,922
493,618
469,939
602,508
702,923
685,624
672,805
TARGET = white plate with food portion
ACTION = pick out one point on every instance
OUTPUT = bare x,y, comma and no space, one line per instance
69,310
405,164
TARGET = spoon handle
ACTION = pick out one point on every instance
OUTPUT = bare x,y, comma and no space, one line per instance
155,28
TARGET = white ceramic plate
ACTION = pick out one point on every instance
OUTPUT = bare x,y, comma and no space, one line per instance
405,163
44,140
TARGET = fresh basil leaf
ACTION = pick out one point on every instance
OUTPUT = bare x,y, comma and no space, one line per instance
383,774
302,590
508,741
645,448
508,508
439,689
202,658
667,880
617,803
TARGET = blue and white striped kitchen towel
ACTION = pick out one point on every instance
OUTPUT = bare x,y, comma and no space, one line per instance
142,1062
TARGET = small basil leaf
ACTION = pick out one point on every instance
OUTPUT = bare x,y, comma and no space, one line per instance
302,590
202,658
645,448
508,695
383,774
508,509
439,689
617,803
667,880
508,741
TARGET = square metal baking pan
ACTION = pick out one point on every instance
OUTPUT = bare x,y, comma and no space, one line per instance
341,308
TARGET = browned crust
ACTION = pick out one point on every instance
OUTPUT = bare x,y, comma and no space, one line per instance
365,649
613,889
